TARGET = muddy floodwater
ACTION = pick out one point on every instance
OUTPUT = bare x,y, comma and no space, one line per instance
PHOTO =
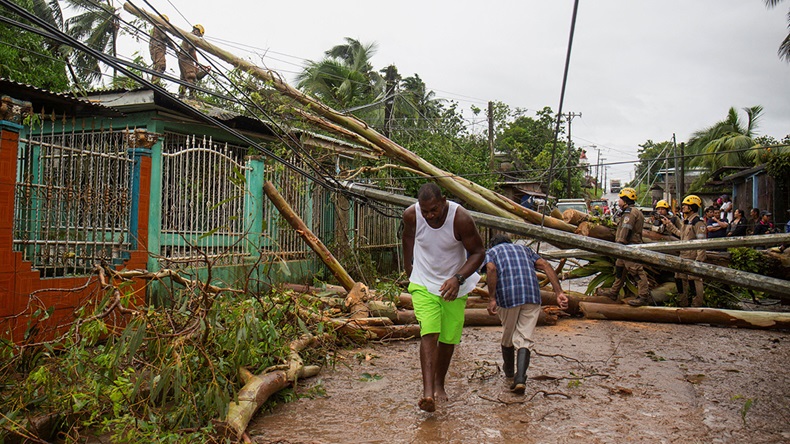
589,382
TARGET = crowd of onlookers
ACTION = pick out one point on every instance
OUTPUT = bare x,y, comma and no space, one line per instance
723,220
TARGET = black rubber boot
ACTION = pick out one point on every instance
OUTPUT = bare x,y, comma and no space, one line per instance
520,378
509,360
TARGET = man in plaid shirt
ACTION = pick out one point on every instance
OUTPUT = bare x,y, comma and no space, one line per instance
515,296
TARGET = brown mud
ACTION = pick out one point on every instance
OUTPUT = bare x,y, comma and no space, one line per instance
589,382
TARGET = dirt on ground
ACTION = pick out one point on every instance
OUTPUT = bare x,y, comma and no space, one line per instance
589,382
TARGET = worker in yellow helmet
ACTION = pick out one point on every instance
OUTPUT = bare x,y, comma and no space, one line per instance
693,227
629,231
661,211
191,70
157,47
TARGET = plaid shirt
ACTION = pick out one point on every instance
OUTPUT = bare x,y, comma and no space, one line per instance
517,283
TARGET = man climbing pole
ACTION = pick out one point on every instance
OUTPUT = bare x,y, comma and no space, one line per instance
157,47
191,70
629,231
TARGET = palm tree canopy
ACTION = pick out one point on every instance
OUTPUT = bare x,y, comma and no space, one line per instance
724,143
345,78
784,47
98,28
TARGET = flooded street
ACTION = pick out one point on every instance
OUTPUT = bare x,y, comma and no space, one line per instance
589,382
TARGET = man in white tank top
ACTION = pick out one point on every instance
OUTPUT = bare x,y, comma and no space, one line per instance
442,250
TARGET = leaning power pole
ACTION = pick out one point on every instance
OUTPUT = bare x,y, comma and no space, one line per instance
570,117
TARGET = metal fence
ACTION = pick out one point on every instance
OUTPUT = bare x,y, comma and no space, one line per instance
203,190
73,195
284,242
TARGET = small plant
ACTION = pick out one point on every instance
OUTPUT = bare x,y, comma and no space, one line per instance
576,382
652,355
747,405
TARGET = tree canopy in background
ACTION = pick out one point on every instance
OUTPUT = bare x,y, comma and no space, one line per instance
29,58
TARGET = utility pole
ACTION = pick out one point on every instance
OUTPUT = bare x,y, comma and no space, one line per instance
601,173
678,191
597,168
391,76
491,134
682,177
570,117
666,179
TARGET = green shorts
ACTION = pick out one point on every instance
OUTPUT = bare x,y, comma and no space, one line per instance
436,315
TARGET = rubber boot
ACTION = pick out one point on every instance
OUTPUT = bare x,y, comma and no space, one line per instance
699,298
683,296
520,378
508,358
613,292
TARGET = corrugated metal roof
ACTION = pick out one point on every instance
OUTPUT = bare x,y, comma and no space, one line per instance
66,103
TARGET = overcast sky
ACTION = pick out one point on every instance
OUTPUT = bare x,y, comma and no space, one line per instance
639,69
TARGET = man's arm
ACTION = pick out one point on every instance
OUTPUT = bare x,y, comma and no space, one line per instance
465,231
491,280
473,243
407,241
671,227
543,265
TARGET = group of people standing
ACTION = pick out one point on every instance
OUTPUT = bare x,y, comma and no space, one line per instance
191,70
443,253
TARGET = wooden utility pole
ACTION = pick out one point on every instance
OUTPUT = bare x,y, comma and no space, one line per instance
682,177
570,117
678,191
391,78
491,135
597,169
666,178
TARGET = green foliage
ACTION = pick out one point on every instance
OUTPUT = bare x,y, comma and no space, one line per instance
526,137
778,166
30,59
724,143
603,267
168,370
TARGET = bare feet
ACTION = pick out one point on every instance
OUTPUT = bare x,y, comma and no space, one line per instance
439,394
427,404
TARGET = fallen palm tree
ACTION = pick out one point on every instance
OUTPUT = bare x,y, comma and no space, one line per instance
258,388
713,316
773,286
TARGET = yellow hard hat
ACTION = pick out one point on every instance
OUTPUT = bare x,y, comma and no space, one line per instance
597,207
165,18
200,28
662,204
629,193
692,200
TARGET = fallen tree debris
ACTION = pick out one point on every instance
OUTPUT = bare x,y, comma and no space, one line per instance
714,316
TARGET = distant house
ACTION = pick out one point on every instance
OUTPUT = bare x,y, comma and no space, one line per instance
754,188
